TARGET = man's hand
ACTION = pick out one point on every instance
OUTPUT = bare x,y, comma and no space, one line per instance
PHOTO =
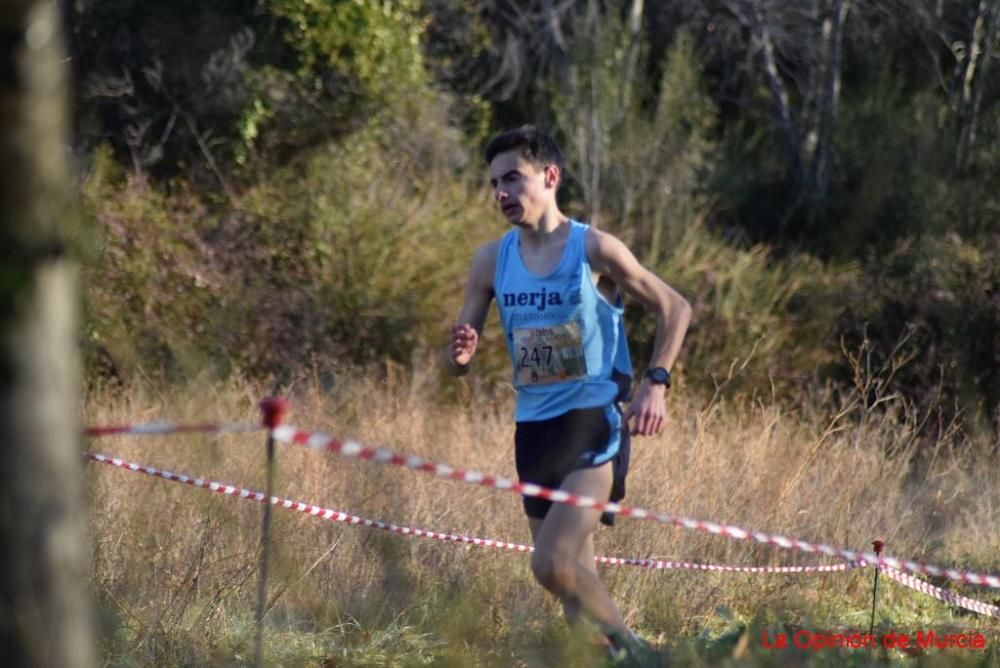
647,409
464,339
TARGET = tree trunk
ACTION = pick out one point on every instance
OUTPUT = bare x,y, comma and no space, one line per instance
983,33
45,612
821,161
753,17
632,60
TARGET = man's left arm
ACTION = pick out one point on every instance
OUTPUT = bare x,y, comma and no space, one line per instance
610,257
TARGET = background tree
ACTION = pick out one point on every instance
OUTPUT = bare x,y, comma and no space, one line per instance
45,614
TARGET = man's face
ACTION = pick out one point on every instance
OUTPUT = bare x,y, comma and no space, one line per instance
522,190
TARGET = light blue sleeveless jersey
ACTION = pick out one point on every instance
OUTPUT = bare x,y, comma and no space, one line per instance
565,339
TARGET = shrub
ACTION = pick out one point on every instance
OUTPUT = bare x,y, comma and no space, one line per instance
943,293
353,254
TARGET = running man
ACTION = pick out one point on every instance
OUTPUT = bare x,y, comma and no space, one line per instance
556,282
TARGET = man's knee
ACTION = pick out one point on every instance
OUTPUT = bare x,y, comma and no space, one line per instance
555,570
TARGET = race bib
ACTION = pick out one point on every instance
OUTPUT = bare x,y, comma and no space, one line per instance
548,354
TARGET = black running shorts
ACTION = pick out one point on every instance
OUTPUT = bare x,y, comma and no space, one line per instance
546,451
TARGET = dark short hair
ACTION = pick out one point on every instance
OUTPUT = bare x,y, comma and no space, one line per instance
536,147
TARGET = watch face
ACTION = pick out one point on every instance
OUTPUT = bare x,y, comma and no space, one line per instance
659,375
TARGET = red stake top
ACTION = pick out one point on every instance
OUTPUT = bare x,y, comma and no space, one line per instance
273,409
878,545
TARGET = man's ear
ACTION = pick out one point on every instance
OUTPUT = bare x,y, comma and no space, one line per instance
552,175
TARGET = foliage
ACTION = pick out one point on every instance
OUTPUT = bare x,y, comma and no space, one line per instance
641,156
759,319
148,285
261,147
899,180
943,295
639,153
374,44
213,90
353,249
340,258
163,83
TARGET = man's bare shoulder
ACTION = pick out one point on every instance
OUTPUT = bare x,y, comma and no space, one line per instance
484,263
603,248
487,252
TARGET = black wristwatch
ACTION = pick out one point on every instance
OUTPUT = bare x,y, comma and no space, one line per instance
658,376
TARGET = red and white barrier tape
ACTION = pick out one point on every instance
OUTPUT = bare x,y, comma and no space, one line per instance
320,441
941,594
161,428
340,516
656,564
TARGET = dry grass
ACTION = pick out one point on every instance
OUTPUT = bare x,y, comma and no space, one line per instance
175,567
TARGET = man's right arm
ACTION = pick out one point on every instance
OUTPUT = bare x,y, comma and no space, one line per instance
472,316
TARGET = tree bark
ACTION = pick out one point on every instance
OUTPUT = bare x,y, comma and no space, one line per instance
983,33
821,160
632,60
45,610
753,16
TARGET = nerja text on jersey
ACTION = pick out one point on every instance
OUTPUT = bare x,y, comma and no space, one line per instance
539,300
